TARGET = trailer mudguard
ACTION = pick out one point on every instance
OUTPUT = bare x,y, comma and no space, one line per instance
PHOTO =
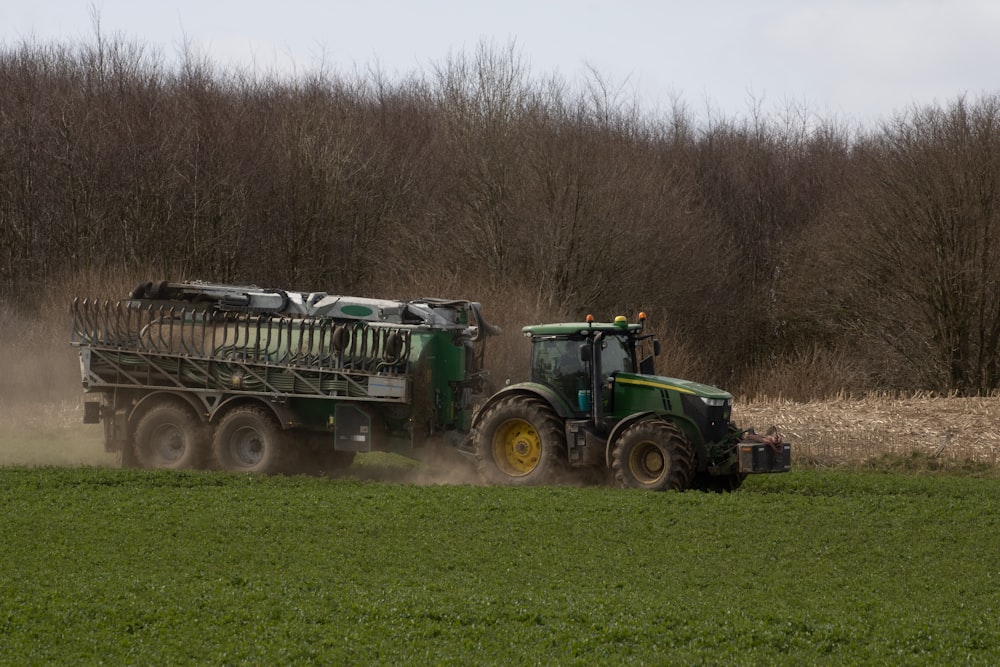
286,417
150,399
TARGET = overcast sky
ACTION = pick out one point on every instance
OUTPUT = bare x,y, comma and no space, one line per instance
854,60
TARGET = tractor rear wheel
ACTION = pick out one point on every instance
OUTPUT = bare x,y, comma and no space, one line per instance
249,439
653,454
518,441
170,436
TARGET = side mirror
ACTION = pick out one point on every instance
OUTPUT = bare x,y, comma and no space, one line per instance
656,347
586,354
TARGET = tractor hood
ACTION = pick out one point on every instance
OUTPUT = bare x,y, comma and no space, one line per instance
673,384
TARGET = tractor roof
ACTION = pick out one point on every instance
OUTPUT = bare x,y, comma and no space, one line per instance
581,328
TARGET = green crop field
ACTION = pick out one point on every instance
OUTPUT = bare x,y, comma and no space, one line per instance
127,567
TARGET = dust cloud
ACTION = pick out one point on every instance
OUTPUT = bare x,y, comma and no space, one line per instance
41,400
439,471
50,434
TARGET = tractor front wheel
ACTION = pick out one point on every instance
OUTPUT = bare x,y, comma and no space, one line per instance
654,455
518,441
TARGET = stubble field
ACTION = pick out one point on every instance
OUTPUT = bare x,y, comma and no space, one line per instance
851,432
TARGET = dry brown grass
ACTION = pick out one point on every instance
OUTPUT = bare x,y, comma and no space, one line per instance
806,374
850,431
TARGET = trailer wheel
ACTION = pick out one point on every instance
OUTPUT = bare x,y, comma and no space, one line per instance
653,454
518,442
170,436
249,439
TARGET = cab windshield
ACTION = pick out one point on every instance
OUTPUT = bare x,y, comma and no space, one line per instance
616,355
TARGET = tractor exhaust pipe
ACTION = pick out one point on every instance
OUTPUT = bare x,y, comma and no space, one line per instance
596,404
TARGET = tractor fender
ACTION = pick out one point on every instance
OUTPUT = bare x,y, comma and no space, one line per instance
527,388
286,417
621,426
684,424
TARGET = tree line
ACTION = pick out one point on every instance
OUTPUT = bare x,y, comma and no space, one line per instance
776,253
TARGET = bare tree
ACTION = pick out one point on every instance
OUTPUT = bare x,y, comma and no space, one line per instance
929,257
481,101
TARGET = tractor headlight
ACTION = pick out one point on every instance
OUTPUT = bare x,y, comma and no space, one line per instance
714,402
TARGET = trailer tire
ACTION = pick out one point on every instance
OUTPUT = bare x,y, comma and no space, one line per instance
170,436
653,454
249,439
518,442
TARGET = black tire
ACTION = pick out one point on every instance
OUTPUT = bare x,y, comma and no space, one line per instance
249,439
170,436
653,454
518,442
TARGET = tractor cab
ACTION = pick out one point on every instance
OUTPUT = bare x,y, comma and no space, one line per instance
564,357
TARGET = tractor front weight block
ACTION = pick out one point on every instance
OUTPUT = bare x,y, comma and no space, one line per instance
759,457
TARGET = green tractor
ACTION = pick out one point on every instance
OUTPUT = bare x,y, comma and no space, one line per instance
594,405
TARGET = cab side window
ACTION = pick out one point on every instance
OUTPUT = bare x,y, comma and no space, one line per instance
557,364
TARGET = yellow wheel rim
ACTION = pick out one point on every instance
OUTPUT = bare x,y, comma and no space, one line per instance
517,447
647,463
